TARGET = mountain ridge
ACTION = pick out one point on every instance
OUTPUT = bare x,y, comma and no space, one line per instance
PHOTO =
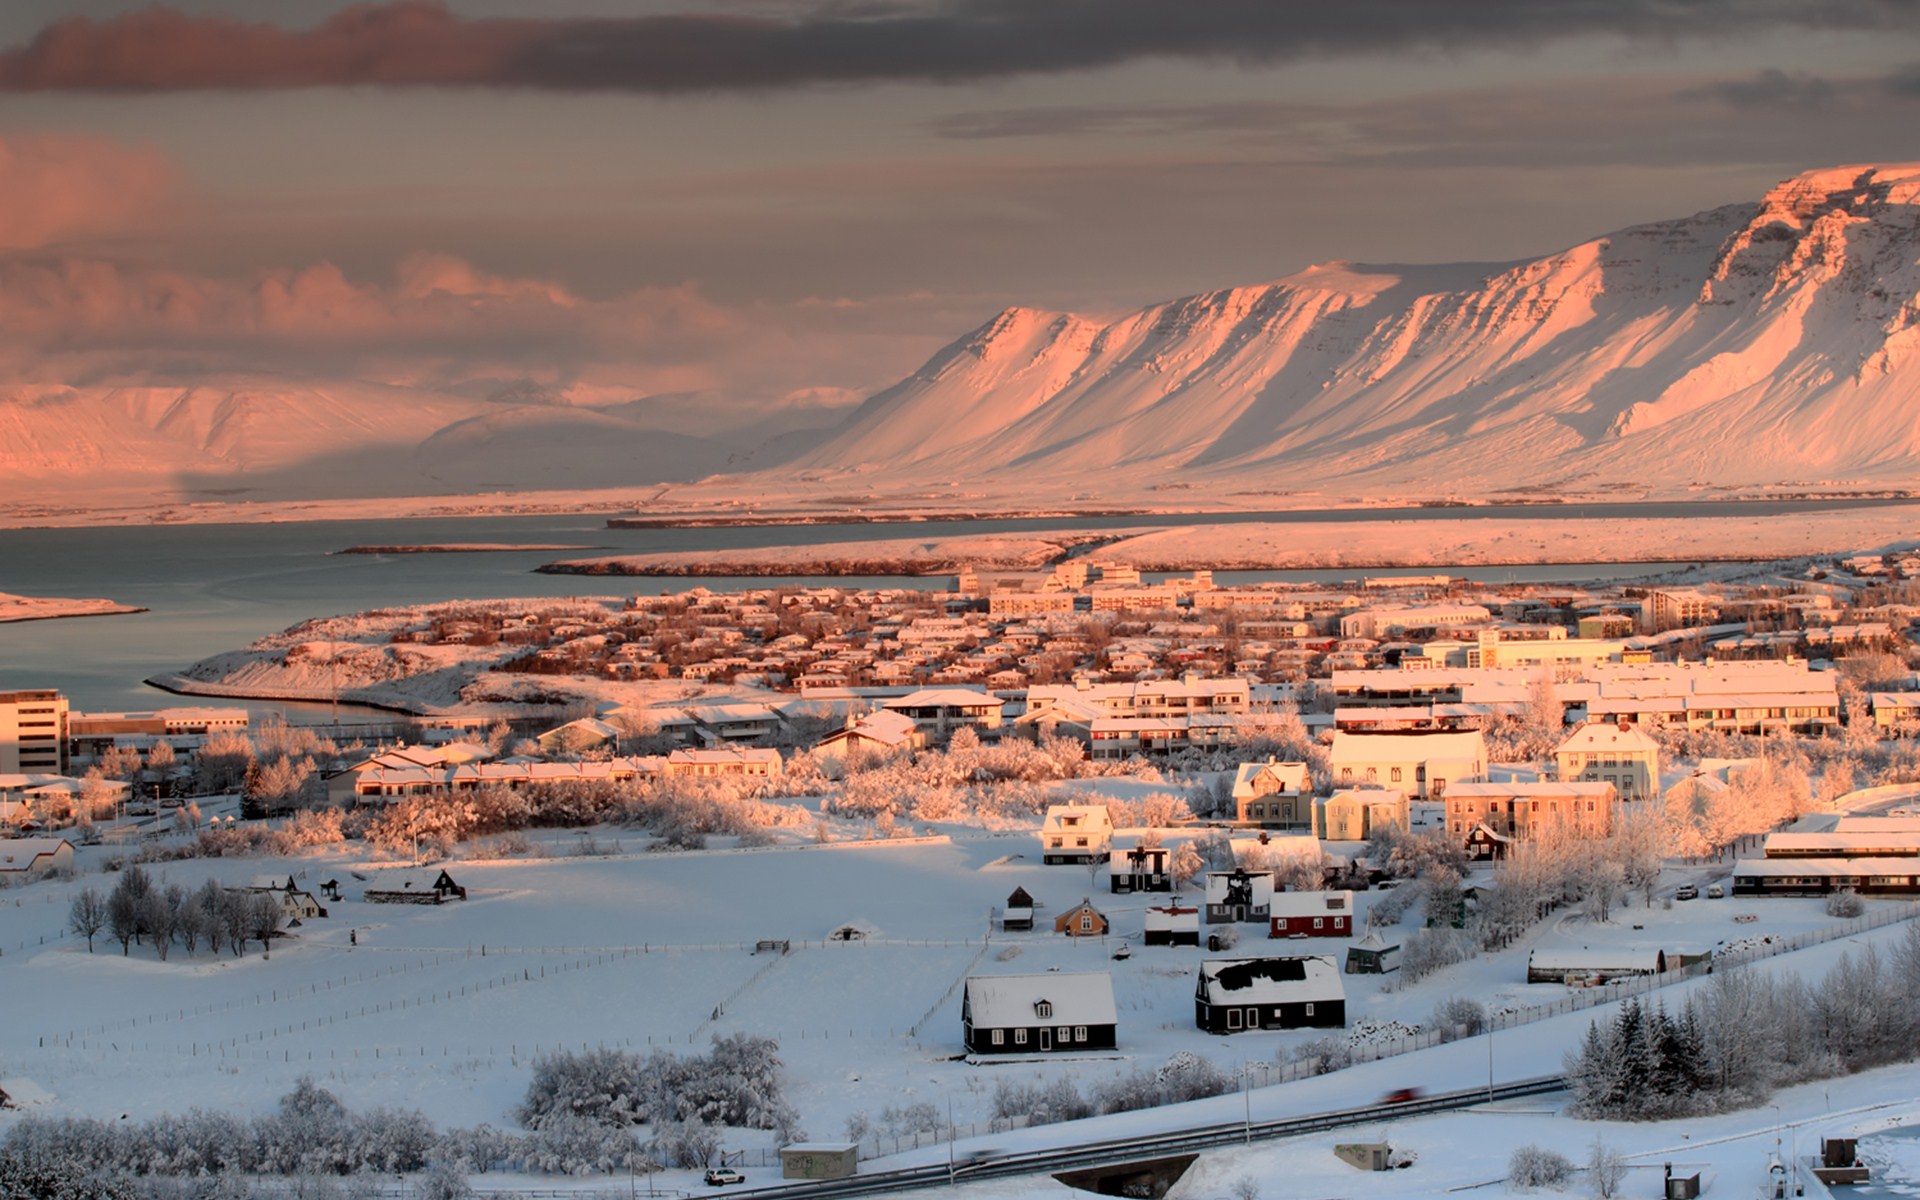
1745,344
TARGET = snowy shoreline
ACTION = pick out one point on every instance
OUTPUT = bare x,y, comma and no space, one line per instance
53,608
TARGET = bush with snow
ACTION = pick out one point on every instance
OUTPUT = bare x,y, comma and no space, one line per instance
1536,1167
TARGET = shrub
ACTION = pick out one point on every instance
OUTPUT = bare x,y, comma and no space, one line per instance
1845,903
1534,1167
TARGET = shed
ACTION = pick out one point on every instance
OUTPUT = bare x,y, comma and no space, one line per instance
1564,966
1371,955
1019,911
819,1160
27,857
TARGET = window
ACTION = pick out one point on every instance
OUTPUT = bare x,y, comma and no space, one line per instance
1395,776
1086,922
1319,922
1079,1033
1019,1037
1043,1009
1309,1008
999,1036
1065,1033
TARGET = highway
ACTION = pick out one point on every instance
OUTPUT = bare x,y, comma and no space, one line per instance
1125,1150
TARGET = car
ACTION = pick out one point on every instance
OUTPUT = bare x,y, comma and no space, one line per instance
723,1176
1686,891
1715,892
1405,1095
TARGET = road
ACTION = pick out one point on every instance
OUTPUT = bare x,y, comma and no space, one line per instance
1125,1150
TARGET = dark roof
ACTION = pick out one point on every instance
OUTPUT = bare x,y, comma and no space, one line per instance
1019,899
1245,974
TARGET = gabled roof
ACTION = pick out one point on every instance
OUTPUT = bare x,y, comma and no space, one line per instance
1312,904
1008,1001
1603,735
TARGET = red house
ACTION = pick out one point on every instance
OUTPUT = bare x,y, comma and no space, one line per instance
1311,914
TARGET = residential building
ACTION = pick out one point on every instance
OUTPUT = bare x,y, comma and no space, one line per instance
1039,1014
1273,795
1238,895
1140,869
1075,833
1356,814
1311,914
1420,763
1525,809
1237,994
1621,755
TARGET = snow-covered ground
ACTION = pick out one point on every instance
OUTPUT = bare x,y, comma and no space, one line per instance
40,608
444,1008
1275,545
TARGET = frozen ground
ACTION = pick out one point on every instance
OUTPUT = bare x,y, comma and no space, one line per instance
444,1008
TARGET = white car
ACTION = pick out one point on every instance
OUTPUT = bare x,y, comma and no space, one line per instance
722,1176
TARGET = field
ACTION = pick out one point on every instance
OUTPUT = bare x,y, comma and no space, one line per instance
444,1008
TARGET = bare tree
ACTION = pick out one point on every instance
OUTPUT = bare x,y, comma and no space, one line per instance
88,914
1606,1169
264,916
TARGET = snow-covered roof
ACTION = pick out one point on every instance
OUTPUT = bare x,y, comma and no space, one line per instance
948,697
1009,1001
1288,980
1606,736
1608,958
1311,904
1409,746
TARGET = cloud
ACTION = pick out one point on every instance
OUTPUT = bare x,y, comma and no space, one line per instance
56,188
421,43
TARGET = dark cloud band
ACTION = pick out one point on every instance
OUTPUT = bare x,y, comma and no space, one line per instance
420,43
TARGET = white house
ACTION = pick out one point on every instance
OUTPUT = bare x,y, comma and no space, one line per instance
1075,833
1420,763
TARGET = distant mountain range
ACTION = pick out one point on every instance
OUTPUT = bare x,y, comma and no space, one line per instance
1766,345
1755,344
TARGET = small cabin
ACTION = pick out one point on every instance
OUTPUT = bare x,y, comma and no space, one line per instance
1239,895
1371,955
1082,920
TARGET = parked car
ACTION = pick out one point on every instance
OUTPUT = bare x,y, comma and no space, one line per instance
722,1176
1686,891
1715,891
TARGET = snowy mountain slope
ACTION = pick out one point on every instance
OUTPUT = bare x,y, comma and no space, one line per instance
1750,344
275,437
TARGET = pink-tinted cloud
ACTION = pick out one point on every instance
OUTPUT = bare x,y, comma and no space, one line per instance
418,42
56,188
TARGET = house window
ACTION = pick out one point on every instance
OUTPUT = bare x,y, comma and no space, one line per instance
999,1036
1019,1037
1309,1008
1318,922
1079,1033
1043,1009
1395,776
1086,922
1066,1034
1079,841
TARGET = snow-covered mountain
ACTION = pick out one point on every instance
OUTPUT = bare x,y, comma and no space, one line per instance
279,438
1768,343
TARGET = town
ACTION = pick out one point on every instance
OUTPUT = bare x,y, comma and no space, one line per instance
1378,819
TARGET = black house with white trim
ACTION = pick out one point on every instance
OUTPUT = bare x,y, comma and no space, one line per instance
1236,994
1039,1014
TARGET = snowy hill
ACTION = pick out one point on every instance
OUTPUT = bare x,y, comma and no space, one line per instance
272,437
1745,345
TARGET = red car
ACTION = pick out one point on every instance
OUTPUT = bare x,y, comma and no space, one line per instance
1401,1095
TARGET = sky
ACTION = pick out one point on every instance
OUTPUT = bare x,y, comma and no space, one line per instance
730,207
